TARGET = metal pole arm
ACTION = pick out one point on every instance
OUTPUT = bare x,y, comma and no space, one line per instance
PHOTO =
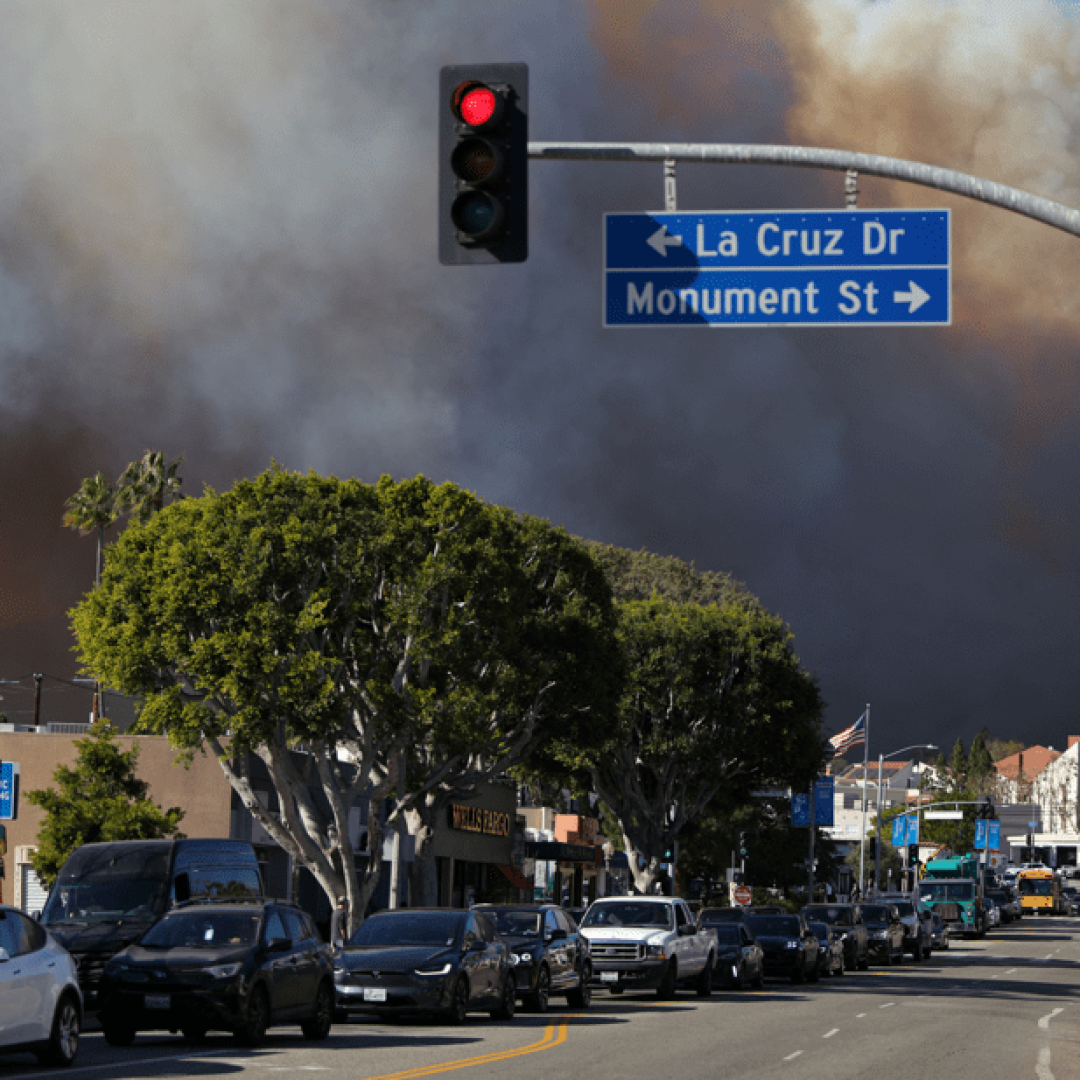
1048,212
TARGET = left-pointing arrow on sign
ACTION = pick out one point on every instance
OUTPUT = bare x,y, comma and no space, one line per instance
660,241
915,296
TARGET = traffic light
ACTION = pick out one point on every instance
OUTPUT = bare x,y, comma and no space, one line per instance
483,163
913,854
744,844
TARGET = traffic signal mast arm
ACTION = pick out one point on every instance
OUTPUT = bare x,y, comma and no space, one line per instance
1048,212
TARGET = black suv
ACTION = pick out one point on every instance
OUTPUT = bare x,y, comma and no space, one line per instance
237,966
548,954
846,920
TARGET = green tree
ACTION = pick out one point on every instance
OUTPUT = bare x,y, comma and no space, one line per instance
959,761
98,799
714,699
365,642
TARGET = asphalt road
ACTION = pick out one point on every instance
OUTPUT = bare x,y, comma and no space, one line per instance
1002,1008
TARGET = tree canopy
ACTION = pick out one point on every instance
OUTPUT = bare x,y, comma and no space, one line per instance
362,640
98,799
714,703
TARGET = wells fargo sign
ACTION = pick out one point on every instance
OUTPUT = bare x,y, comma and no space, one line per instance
475,819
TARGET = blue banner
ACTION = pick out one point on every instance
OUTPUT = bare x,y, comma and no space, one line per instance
823,801
800,809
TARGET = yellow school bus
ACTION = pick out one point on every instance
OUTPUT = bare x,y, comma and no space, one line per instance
1040,892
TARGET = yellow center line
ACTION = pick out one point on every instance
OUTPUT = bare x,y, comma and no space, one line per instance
552,1037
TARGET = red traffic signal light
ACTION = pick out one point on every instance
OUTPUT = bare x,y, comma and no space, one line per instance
483,163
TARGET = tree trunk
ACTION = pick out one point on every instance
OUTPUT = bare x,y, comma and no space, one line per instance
423,878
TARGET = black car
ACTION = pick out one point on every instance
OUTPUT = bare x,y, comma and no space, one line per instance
884,932
548,954
790,947
740,960
425,960
236,966
831,949
846,919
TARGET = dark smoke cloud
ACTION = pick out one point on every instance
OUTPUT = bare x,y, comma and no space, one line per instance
217,238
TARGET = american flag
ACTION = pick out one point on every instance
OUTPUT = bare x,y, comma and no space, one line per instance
849,737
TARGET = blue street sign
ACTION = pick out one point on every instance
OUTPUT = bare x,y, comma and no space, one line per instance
995,835
823,801
800,809
913,829
899,832
778,268
9,790
987,835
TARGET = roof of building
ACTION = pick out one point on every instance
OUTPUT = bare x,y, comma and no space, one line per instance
1030,762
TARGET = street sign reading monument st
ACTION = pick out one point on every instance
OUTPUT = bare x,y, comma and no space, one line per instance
778,268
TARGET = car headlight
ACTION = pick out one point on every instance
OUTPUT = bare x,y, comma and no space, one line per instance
654,952
522,958
791,944
442,969
222,971
116,968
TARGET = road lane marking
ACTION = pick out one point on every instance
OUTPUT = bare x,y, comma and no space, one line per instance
830,1034
887,1005
553,1036
1042,1066
859,1016
792,1057
1044,1022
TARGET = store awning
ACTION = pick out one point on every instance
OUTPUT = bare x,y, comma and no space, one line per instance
553,851
516,877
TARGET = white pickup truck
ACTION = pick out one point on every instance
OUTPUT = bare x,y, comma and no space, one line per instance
646,943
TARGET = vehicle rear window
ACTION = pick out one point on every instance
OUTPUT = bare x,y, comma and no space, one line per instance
628,913
203,930
775,925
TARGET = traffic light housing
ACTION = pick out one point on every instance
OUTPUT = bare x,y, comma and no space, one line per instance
913,854
744,844
483,163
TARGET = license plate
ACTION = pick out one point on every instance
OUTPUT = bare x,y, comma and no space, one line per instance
374,994
609,976
157,1001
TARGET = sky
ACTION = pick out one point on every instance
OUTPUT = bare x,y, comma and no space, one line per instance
218,239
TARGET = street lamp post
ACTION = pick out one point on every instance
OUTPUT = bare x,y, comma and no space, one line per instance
877,816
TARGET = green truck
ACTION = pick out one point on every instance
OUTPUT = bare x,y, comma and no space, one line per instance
954,889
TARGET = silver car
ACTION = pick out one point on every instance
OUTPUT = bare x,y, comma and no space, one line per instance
40,1003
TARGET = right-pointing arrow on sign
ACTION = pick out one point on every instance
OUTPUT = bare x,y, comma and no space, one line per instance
915,296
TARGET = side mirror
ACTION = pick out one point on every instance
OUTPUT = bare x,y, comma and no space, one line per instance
559,934
279,944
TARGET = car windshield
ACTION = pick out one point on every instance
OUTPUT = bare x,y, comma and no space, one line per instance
524,922
101,882
1036,886
203,930
820,929
775,925
628,913
875,913
433,929
728,934
837,916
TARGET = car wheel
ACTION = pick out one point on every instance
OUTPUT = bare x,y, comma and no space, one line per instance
317,1026
459,1002
117,1033
814,974
64,1037
798,974
537,1001
864,963
703,983
581,996
508,1002
842,966
666,990
194,1033
253,1030
759,982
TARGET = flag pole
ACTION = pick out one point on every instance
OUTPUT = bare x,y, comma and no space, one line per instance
866,765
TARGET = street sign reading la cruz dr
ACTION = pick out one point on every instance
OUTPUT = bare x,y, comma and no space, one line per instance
778,268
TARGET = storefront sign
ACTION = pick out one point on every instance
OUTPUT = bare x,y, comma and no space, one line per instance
475,819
